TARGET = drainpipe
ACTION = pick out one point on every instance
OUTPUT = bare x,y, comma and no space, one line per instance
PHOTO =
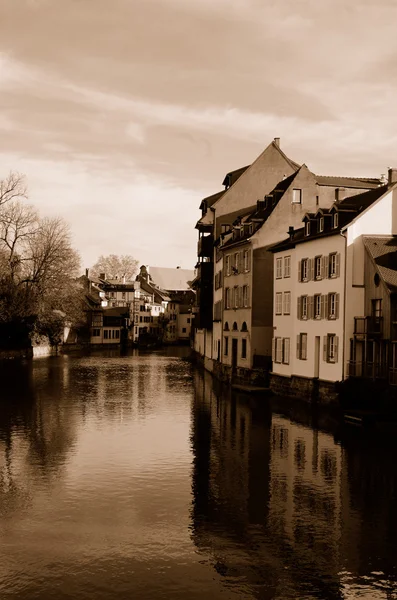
344,306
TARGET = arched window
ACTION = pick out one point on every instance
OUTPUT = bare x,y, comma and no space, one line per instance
244,327
235,328
226,327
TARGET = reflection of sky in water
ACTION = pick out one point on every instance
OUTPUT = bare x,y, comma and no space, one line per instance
132,477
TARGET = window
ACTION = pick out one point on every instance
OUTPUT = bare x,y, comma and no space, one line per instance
317,306
96,333
140,319
188,320
236,297
304,269
304,307
279,268
296,196
228,265
287,266
334,264
123,295
105,334
136,318
331,348
226,350
286,345
321,225
237,262
243,348
376,305
335,220
112,294
278,357
279,303
333,306
246,295
246,260
183,329
227,298
318,270
302,346
287,303
117,334
317,200
307,228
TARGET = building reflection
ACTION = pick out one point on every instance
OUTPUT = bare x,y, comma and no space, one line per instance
266,497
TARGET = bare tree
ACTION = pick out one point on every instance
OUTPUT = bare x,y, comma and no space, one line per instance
115,267
13,187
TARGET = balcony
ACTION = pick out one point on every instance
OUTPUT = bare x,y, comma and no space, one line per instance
368,326
205,246
367,370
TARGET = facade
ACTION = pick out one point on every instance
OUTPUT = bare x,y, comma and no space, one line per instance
333,315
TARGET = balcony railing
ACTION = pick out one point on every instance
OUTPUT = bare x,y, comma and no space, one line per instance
205,246
367,370
365,326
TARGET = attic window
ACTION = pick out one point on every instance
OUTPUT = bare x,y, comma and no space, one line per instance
335,220
307,228
321,225
296,196
376,279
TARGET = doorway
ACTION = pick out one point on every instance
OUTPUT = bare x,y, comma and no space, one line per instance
317,356
234,353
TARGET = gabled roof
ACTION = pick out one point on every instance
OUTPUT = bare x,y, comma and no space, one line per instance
383,251
262,214
171,279
349,207
353,182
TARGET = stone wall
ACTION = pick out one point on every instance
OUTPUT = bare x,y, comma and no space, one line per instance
305,388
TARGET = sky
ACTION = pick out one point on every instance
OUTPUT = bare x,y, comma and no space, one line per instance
124,114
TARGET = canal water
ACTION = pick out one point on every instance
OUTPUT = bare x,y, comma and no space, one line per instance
134,477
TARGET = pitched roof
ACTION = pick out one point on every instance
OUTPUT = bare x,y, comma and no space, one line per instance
171,279
264,213
210,200
353,182
383,250
361,201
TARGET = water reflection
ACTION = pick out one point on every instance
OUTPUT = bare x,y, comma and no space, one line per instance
286,509
136,476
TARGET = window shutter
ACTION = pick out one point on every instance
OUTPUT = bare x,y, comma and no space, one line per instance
299,314
336,348
220,278
325,349
326,266
326,313
322,267
310,307
322,315
300,270
248,295
298,346
273,349
249,260
241,296
337,306
337,264
311,265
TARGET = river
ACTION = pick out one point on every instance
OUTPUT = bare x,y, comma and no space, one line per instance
135,477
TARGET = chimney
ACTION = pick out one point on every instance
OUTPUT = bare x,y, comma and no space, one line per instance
102,275
178,267
123,279
340,194
87,272
392,176
260,205
291,232
277,142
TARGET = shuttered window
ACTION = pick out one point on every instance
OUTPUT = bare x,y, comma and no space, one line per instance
286,346
279,303
287,303
331,343
301,346
287,266
279,268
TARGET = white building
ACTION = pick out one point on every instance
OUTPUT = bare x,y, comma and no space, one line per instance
317,304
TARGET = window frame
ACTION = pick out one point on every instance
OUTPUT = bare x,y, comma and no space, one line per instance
321,225
287,261
279,303
317,299
304,302
302,347
297,193
335,220
286,295
318,263
286,353
307,228
305,263
243,348
279,268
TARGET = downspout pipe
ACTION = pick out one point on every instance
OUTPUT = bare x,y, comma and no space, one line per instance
343,233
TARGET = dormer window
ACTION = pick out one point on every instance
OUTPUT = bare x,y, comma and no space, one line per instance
321,225
307,228
335,220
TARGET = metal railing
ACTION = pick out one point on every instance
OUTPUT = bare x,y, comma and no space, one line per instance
368,325
367,370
